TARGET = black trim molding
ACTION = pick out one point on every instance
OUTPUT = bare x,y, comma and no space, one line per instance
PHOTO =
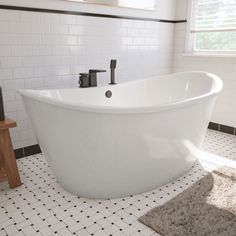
222,128
27,151
18,8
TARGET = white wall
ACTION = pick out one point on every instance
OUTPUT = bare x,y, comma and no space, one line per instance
44,50
225,67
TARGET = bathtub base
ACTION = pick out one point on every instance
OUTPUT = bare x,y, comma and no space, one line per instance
113,192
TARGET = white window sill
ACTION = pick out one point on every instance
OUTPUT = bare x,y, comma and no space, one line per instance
209,55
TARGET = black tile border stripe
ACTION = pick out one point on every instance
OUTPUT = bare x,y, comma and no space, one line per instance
7,7
222,128
213,126
227,129
27,151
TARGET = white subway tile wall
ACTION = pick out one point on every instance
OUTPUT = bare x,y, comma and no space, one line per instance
47,50
224,67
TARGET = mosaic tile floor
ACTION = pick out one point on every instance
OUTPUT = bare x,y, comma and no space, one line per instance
41,207
221,144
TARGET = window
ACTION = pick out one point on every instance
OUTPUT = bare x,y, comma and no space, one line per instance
212,26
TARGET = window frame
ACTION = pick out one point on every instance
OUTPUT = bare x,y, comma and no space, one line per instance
189,44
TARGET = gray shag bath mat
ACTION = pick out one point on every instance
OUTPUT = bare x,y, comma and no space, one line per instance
207,208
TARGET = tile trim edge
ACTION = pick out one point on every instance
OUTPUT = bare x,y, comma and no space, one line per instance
27,151
19,8
222,128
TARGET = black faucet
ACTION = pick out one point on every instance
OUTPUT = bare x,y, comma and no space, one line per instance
89,79
113,67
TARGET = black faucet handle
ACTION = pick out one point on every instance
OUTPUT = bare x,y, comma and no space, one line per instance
84,80
96,71
113,64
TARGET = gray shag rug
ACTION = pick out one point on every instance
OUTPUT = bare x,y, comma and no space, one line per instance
207,208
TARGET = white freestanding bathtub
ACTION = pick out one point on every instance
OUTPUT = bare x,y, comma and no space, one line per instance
140,138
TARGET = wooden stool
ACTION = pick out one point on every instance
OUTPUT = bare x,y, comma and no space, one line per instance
8,167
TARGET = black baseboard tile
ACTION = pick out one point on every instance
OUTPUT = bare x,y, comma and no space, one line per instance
27,151
31,150
19,153
213,126
227,129
222,128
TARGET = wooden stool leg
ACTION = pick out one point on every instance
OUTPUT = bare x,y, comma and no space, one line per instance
3,176
1,160
9,160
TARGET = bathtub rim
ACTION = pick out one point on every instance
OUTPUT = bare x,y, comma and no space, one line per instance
217,87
